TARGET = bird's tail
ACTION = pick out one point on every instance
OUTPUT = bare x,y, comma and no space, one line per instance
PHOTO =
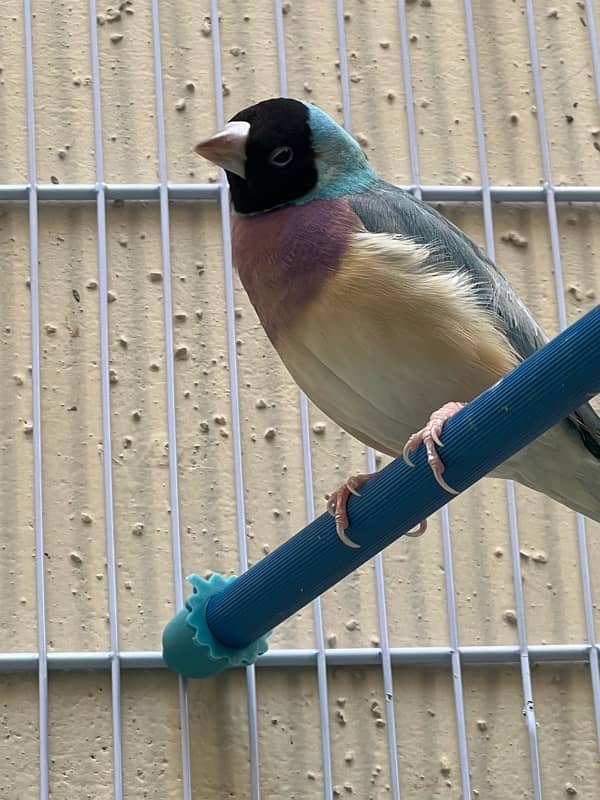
558,465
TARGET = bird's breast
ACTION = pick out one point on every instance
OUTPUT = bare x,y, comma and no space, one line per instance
284,257
379,349
371,337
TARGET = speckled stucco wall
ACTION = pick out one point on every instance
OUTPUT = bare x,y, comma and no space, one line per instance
80,716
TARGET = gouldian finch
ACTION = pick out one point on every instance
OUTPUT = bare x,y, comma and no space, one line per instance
385,313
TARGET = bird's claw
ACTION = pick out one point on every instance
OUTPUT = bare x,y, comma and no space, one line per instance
418,531
430,437
349,484
436,438
405,452
338,501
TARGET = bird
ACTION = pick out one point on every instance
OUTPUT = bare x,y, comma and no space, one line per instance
387,315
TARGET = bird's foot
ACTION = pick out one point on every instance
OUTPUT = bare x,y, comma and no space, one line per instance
338,501
337,507
430,437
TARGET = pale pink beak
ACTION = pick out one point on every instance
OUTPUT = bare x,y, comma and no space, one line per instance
227,148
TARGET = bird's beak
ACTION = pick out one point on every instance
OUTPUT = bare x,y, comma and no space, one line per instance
227,148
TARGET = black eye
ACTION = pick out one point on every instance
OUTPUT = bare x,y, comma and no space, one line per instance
281,156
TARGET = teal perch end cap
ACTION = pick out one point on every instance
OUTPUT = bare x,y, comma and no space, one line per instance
188,644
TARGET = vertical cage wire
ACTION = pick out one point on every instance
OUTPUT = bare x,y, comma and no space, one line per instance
386,661
559,293
109,521
524,660
456,664
528,708
590,628
317,614
581,527
384,639
309,499
165,242
484,174
594,48
409,99
36,420
234,390
457,680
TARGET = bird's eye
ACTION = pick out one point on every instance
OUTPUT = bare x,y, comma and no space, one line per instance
281,156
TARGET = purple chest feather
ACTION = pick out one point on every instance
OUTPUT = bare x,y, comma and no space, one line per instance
283,257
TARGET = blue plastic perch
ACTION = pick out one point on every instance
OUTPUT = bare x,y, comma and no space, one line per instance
226,621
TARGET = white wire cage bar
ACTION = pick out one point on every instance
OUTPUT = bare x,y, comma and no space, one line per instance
309,499
210,192
184,722
491,655
235,398
455,656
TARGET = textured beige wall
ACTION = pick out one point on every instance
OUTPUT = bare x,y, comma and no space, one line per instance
80,723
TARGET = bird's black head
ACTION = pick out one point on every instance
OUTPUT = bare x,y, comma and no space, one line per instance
267,152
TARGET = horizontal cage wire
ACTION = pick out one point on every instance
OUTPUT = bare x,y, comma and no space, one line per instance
321,658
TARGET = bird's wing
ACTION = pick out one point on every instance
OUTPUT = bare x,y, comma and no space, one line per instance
384,208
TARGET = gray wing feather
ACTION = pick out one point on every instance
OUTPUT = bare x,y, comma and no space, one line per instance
384,208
